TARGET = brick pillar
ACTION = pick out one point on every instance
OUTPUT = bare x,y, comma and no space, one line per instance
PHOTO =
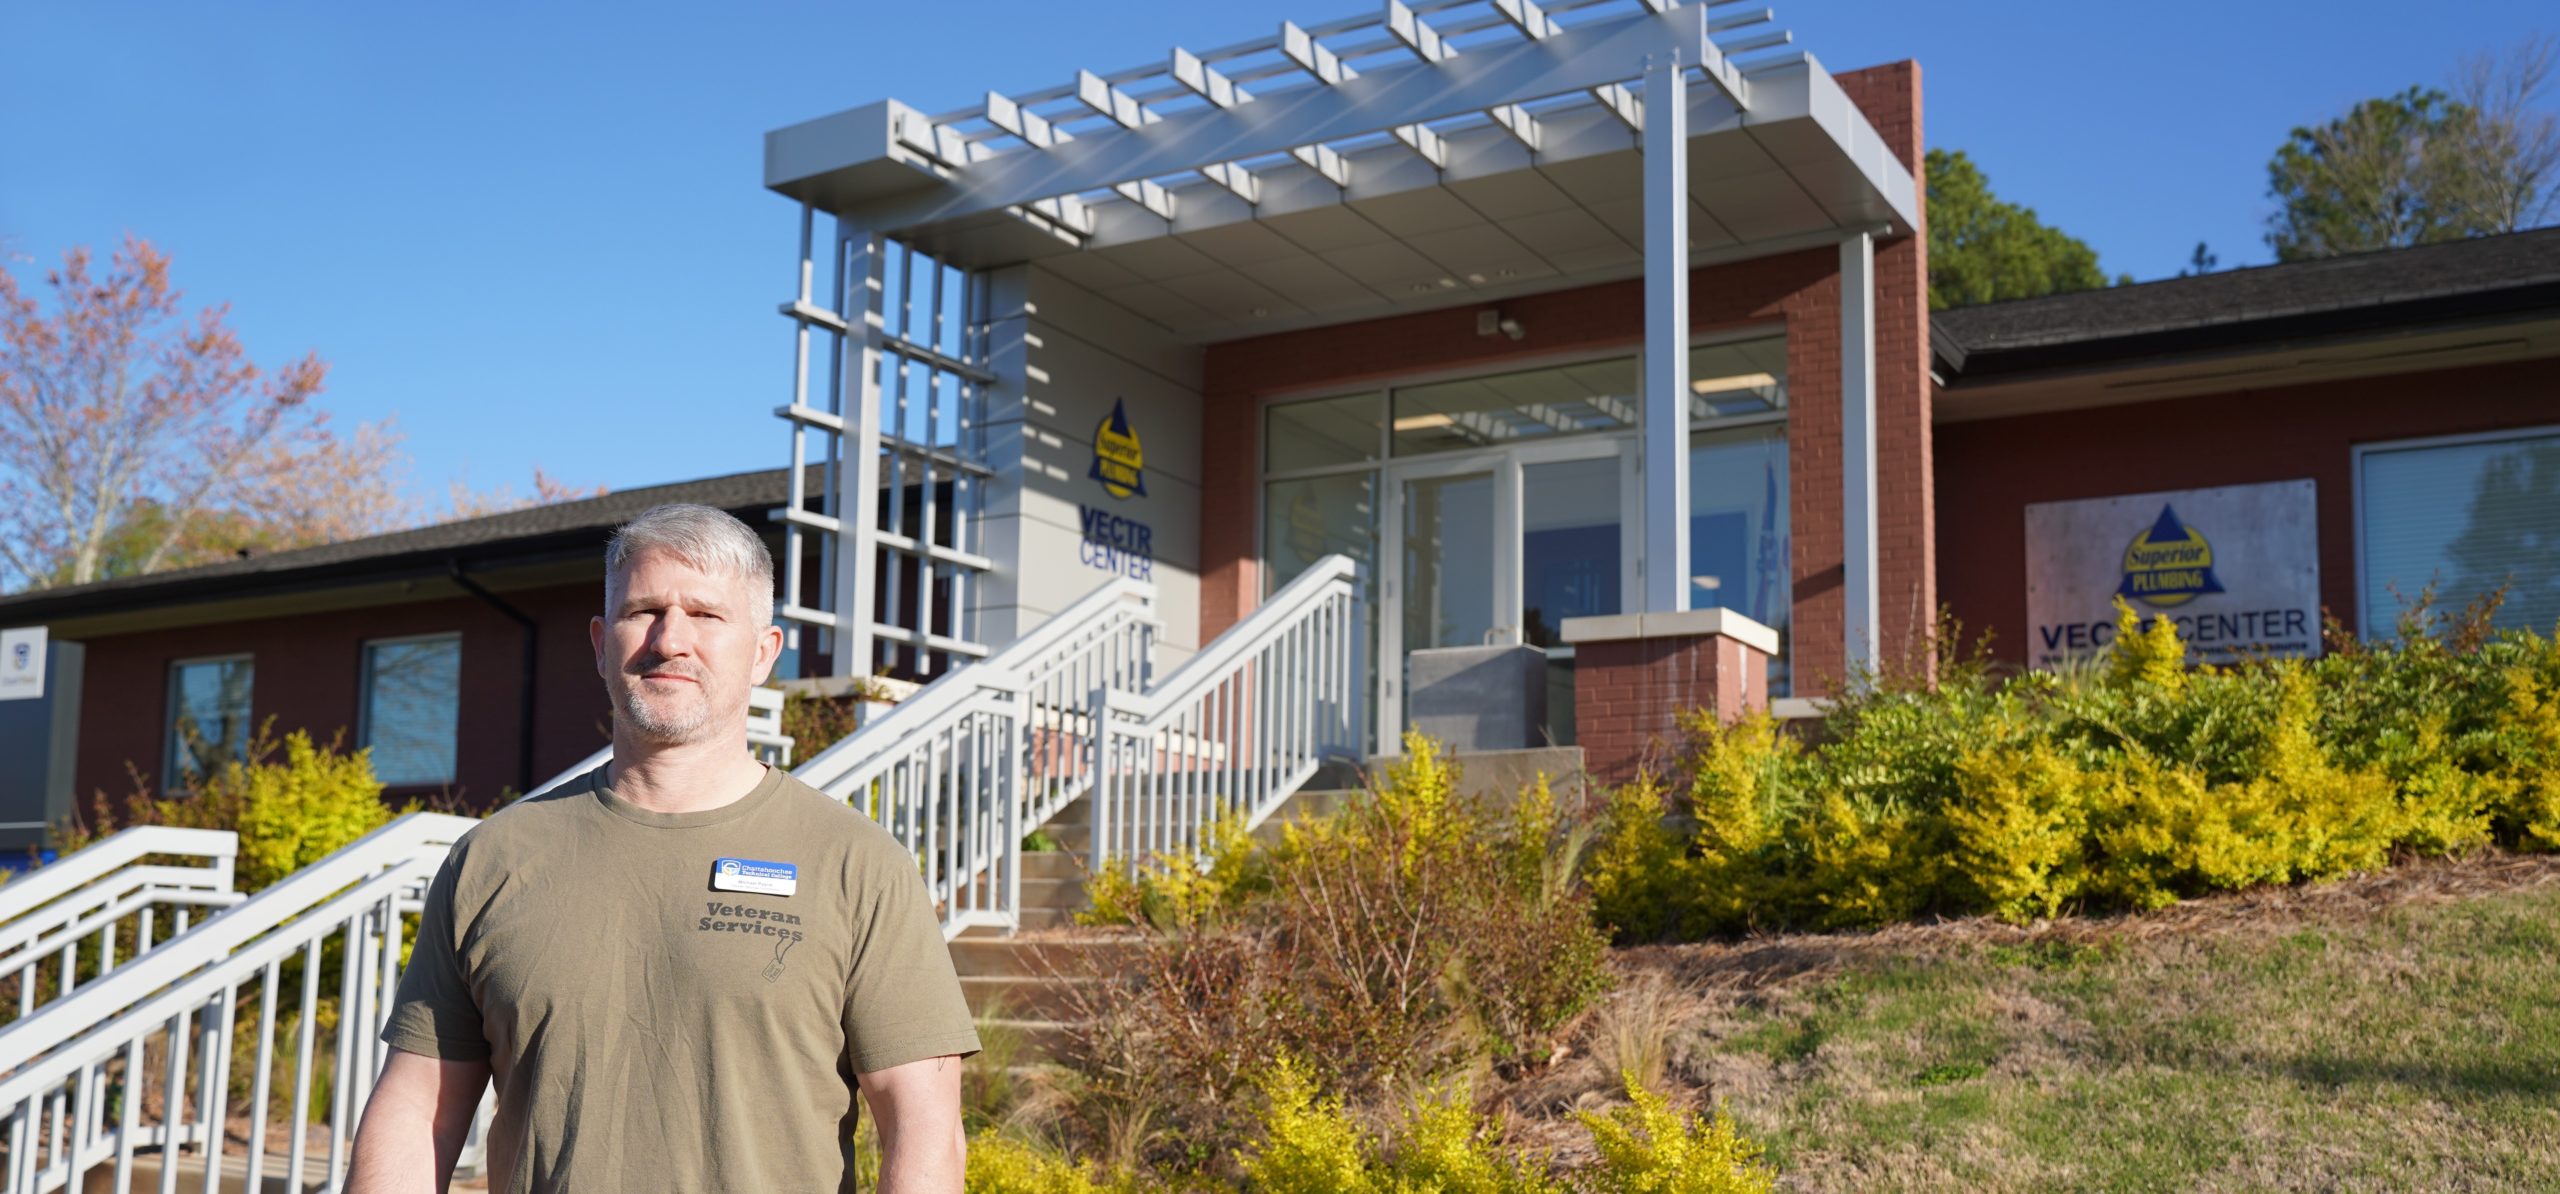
1634,675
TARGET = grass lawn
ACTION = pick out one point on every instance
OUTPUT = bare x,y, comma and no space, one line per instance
2392,1032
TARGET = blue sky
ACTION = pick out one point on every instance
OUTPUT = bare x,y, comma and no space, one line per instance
534,233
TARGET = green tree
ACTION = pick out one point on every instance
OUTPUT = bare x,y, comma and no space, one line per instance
2387,175
1982,250
2424,166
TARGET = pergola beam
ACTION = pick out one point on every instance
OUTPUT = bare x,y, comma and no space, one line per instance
1391,97
1534,24
1329,69
1204,81
1426,44
1128,113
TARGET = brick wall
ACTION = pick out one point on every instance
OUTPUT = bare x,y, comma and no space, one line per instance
1798,291
1990,471
309,676
1629,695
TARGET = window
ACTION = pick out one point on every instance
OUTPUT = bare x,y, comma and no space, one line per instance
411,707
2465,515
1490,412
1738,532
1331,431
208,715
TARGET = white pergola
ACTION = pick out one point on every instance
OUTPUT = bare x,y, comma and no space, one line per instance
1430,154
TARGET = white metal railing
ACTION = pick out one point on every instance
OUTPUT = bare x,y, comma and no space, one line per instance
64,924
1236,729
961,770
141,1060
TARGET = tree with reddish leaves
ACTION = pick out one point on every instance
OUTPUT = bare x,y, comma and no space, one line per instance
136,437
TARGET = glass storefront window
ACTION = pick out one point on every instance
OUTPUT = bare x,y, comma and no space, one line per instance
1329,431
1490,412
1305,520
1737,379
2468,518
1738,532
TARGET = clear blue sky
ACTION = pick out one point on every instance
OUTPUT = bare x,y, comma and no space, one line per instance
534,232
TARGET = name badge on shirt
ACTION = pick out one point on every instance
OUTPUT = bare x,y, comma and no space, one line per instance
750,875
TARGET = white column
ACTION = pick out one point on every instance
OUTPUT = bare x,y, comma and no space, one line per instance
1858,449
857,505
1666,334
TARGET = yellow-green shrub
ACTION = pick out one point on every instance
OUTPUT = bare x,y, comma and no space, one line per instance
2526,730
1309,1144
1444,1147
1647,1148
1181,891
2020,827
1869,866
1002,1165
1638,871
293,813
289,812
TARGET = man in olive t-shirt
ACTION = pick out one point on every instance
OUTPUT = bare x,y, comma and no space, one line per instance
681,967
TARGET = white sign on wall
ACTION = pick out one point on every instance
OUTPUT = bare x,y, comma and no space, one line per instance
22,664
2237,568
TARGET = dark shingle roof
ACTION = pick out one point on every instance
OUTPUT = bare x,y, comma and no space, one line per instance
560,526
2392,287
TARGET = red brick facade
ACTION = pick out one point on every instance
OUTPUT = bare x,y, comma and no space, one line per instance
309,677
1990,471
1630,694
1799,292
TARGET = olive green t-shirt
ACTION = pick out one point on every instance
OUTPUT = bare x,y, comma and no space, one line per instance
656,1012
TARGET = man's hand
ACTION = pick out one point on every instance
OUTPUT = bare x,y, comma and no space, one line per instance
415,1123
917,1106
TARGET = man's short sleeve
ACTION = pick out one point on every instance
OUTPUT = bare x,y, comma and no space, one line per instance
903,1000
435,1015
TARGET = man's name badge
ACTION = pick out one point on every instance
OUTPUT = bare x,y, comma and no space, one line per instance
754,877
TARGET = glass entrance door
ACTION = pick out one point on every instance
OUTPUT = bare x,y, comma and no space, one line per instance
1447,561
1501,547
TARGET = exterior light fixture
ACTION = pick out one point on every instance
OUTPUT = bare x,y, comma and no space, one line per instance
1727,385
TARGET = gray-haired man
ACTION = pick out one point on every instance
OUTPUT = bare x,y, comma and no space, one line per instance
681,967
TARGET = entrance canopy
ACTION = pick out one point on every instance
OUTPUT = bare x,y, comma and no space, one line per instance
1436,153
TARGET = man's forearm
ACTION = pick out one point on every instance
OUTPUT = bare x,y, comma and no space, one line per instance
414,1125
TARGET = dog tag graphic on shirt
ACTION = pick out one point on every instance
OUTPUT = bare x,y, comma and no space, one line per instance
754,877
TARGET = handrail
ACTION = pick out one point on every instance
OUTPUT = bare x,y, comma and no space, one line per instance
54,1109
217,937
1234,731
1268,620
1032,657
89,863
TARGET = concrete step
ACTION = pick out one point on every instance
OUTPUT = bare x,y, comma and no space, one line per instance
1040,955
1035,1037
1052,864
1027,997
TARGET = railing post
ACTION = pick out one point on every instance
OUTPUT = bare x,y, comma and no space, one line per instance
1098,723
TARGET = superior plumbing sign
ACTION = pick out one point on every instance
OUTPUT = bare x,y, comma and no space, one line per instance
2237,568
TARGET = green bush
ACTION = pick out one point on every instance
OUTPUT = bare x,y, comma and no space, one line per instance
1411,938
1310,1144
289,812
2130,783
1003,1165
1647,1148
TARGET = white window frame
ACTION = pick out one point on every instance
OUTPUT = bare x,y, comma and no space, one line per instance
364,693
169,769
2356,493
